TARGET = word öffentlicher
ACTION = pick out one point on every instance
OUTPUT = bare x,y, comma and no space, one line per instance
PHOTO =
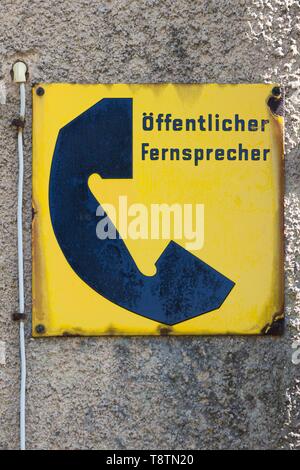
203,123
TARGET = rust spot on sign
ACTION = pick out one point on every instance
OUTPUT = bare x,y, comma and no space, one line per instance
165,330
276,102
274,329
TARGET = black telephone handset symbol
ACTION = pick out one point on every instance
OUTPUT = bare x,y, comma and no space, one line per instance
100,141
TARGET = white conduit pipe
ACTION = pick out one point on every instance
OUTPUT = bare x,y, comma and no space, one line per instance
19,76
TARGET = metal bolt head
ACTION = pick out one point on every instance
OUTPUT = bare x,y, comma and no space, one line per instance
40,91
40,329
276,91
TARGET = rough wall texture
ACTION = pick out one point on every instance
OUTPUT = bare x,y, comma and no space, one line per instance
144,393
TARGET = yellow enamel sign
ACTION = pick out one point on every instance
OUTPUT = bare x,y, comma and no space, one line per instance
157,209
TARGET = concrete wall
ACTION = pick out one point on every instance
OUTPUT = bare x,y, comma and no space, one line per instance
147,393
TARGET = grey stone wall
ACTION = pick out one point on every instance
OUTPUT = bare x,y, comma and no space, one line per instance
147,393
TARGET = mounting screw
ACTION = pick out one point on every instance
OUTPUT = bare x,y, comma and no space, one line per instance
40,91
40,329
276,91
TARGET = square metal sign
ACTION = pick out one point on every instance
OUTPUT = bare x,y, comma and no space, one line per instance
157,209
